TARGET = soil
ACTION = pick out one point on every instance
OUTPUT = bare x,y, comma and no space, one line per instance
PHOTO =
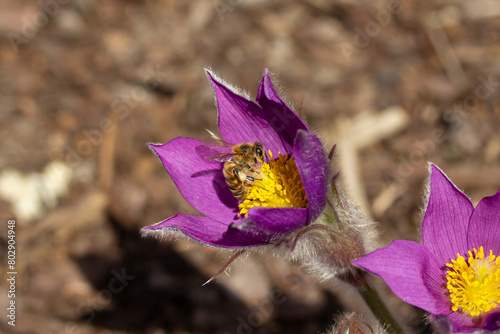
87,84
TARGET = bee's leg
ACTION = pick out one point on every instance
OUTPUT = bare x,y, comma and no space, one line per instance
256,175
241,176
247,166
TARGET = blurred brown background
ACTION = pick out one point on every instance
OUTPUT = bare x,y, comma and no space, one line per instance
86,84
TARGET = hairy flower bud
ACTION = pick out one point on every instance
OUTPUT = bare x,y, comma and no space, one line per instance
352,323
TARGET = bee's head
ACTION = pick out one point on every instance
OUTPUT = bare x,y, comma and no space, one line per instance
245,148
259,152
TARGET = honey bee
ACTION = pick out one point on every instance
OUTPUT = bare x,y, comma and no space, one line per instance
241,166
237,179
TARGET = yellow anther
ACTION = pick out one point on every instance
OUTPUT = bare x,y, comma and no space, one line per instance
474,285
281,186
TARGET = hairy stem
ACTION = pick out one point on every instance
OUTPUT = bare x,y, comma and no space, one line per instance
372,298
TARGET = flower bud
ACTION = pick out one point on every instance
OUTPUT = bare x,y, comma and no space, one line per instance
352,323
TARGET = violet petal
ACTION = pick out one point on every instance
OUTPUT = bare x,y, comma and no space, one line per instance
268,225
203,229
492,322
287,122
242,120
406,267
262,226
206,231
200,181
444,227
312,165
278,220
463,322
484,226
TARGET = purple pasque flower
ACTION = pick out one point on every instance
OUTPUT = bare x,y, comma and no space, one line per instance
455,273
271,211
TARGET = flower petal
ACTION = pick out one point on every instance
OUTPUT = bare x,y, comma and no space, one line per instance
464,323
242,120
411,272
484,226
312,165
267,225
200,181
289,121
492,322
444,227
203,229
279,221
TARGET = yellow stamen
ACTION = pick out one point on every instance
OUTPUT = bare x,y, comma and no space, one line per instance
281,186
474,285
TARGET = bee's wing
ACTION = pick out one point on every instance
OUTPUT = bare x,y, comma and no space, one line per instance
216,150
218,143
221,157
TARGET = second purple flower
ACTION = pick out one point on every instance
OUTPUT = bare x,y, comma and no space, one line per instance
454,274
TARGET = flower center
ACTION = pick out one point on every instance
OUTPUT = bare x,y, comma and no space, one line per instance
280,186
474,285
